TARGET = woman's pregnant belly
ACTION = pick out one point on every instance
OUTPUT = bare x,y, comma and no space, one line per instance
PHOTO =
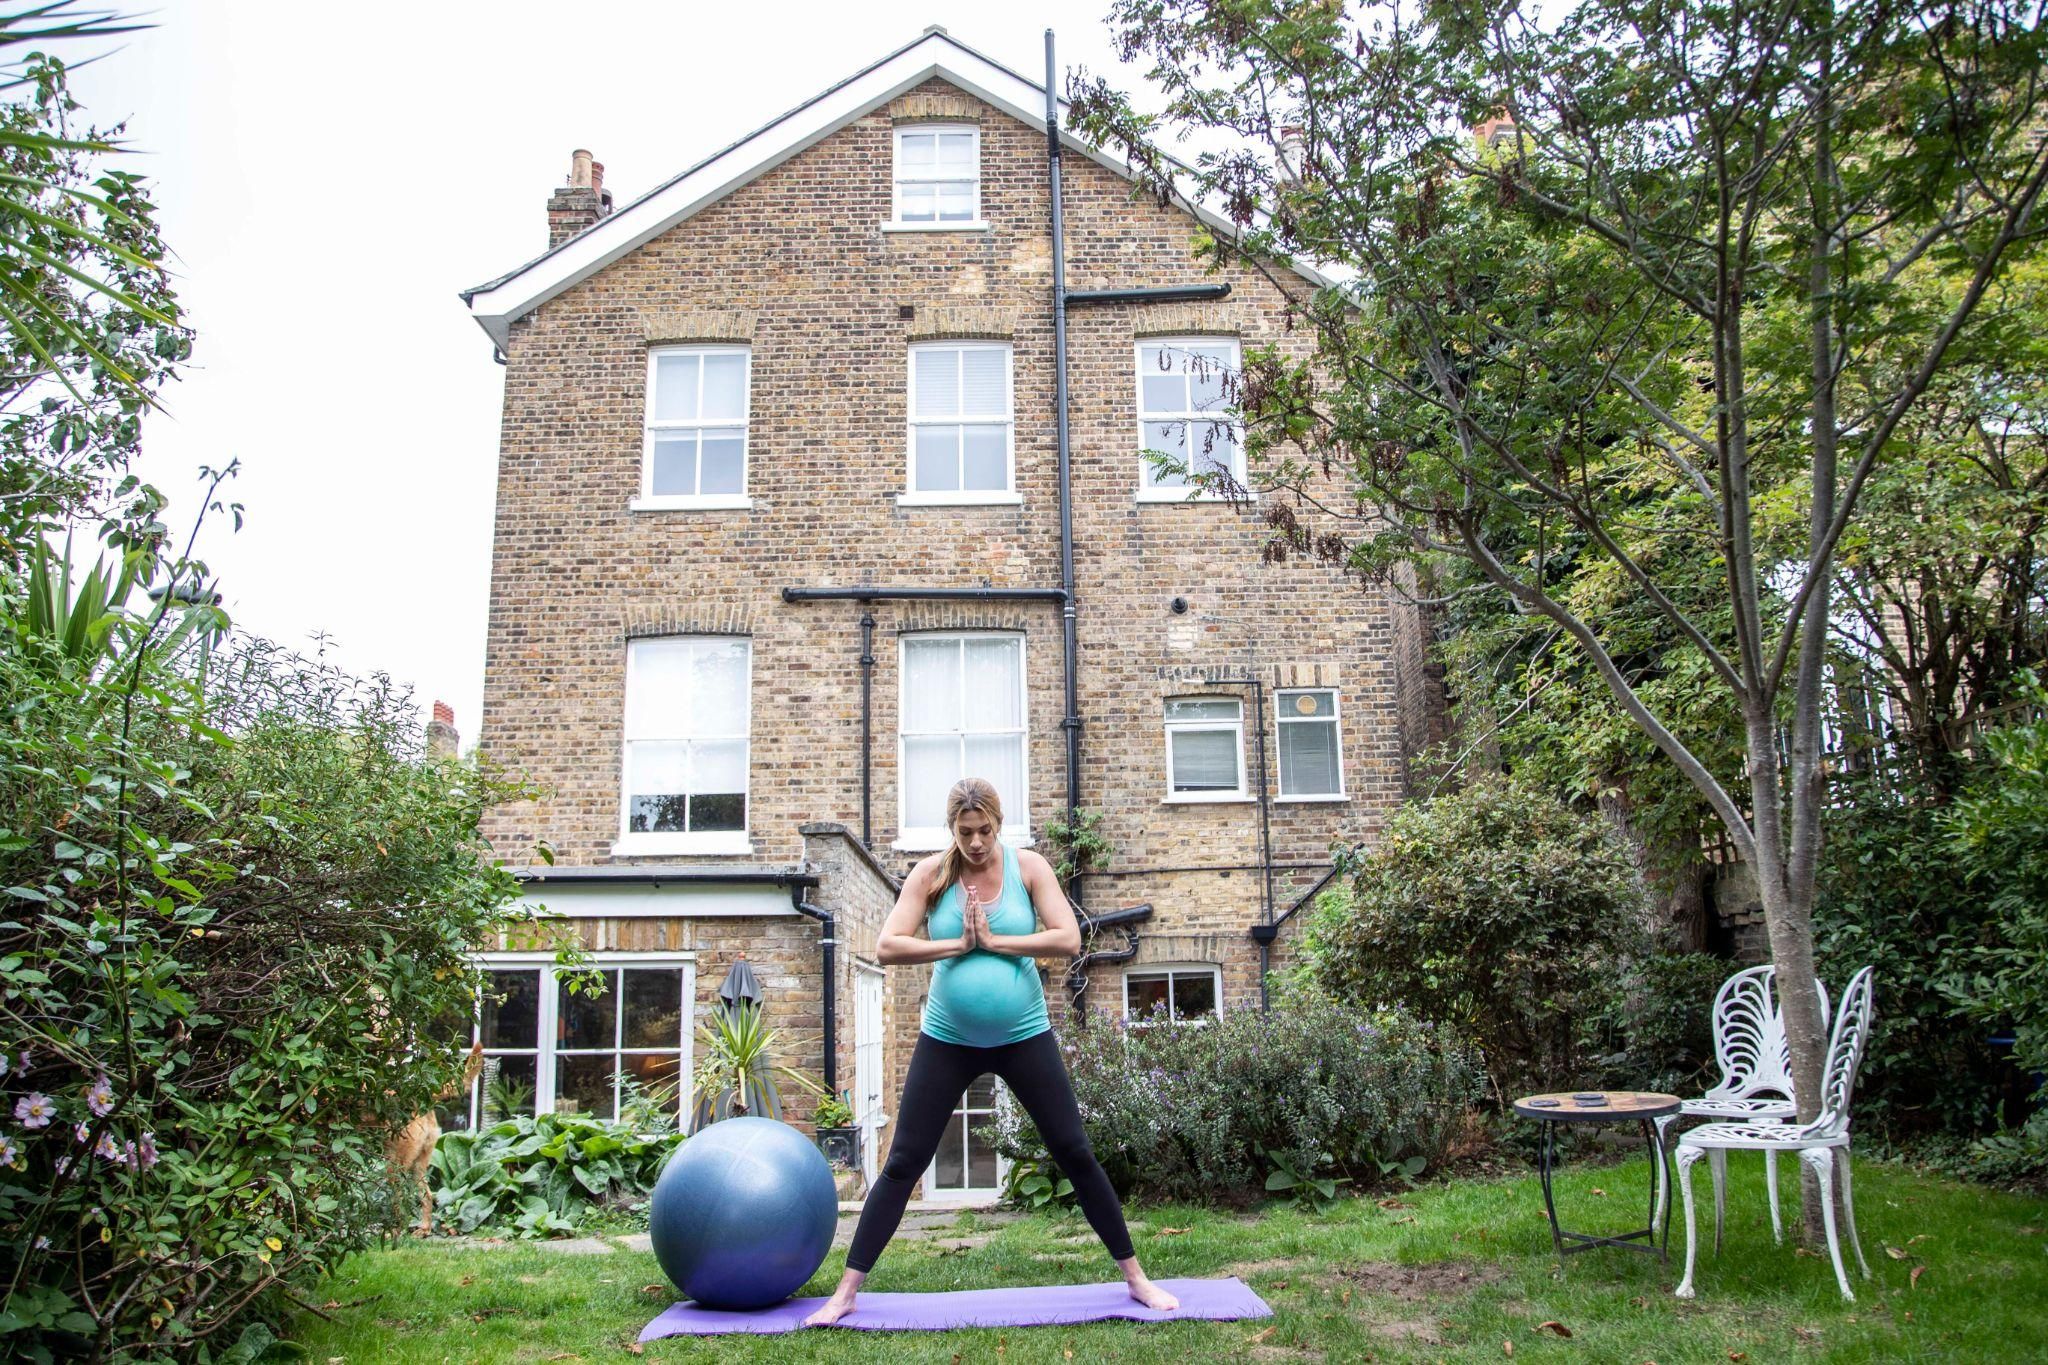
985,996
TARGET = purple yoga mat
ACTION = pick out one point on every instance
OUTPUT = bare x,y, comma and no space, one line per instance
1037,1306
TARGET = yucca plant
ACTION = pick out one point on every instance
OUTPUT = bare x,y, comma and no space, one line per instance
736,1077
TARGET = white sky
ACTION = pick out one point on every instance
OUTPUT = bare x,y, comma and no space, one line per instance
330,176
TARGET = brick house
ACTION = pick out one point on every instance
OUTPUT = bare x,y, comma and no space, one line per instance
778,558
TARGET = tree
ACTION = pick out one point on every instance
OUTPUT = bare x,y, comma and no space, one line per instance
1682,254
89,324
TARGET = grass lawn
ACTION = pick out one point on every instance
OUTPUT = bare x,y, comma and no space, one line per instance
1456,1272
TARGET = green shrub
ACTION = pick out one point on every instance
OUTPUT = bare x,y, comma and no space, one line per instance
1498,911
230,914
2000,832
1651,1027
1183,1111
1894,895
536,1176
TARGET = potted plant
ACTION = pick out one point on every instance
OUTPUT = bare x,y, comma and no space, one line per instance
736,1076
837,1136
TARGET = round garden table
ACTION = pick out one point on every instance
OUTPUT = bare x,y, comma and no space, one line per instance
1604,1106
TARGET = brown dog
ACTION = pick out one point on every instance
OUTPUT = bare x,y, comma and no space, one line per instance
413,1147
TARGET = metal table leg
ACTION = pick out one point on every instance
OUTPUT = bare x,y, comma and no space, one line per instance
1546,1157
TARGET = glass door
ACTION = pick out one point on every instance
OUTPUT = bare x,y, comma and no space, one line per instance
966,1167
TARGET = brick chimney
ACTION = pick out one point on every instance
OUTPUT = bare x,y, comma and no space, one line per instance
442,739
1496,130
581,202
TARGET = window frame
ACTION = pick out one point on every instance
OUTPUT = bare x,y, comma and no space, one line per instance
684,842
1335,721
650,501
547,1020
1149,491
1016,807
913,496
1170,970
896,221
1172,727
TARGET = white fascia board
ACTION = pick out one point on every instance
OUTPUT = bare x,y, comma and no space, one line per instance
498,304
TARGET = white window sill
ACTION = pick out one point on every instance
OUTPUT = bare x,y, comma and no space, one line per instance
1186,495
931,841
1333,799
1192,1021
990,499
692,502
1204,799
977,225
634,845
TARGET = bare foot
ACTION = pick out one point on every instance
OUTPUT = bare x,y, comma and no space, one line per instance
1151,1295
830,1311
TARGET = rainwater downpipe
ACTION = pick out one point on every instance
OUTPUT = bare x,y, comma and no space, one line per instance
1071,724
828,939
867,713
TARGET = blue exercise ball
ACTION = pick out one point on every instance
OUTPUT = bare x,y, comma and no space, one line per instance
743,1213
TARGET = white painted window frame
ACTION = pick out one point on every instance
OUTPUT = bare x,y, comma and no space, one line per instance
648,500
1174,727
548,1020
970,1194
1335,721
1017,808
897,180
1006,496
1171,970
684,842
1149,491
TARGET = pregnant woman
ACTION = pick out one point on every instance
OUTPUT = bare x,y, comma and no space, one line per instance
983,902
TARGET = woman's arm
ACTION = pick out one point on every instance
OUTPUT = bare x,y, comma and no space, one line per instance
898,942
1061,936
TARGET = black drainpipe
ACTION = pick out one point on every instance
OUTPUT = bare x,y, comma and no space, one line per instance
867,710
1077,969
827,940
1071,724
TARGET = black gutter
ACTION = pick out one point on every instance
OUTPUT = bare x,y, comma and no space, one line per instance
923,594
1168,293
1071,722
1077,969
827,940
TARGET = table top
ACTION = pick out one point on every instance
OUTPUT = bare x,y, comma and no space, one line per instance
1605,1105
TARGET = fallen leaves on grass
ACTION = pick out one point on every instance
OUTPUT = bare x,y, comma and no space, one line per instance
1257,1338
1398,1221
1170,1232
1553,1326
1913,1280
1923,1237
1507,1348
1896,1253
1738,1355
1599,1192
1394,1202
654,1289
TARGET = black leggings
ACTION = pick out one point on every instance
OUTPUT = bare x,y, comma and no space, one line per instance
939,1075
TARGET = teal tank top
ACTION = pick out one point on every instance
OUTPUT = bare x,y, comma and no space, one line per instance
985,999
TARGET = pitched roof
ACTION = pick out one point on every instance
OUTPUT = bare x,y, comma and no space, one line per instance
498,303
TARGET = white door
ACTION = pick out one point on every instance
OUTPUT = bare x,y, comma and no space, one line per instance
867,1065
966,1167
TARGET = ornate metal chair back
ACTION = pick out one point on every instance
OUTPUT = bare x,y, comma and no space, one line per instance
1851,1034
1749,1036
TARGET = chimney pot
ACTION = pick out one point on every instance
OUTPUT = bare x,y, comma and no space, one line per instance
579,169
1293,150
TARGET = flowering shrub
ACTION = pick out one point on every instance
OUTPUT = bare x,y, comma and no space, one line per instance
236,901
1182,1111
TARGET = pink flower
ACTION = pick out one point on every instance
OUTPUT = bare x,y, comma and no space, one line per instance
81,1134
146,1154
99,1097
35,1111
10,1155
108,1148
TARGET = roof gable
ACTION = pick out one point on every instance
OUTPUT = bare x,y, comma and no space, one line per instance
497,304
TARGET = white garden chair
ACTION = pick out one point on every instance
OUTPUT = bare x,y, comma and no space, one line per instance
1822,1144
1756,1074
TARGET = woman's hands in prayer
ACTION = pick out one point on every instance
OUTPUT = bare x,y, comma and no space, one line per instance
974,930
